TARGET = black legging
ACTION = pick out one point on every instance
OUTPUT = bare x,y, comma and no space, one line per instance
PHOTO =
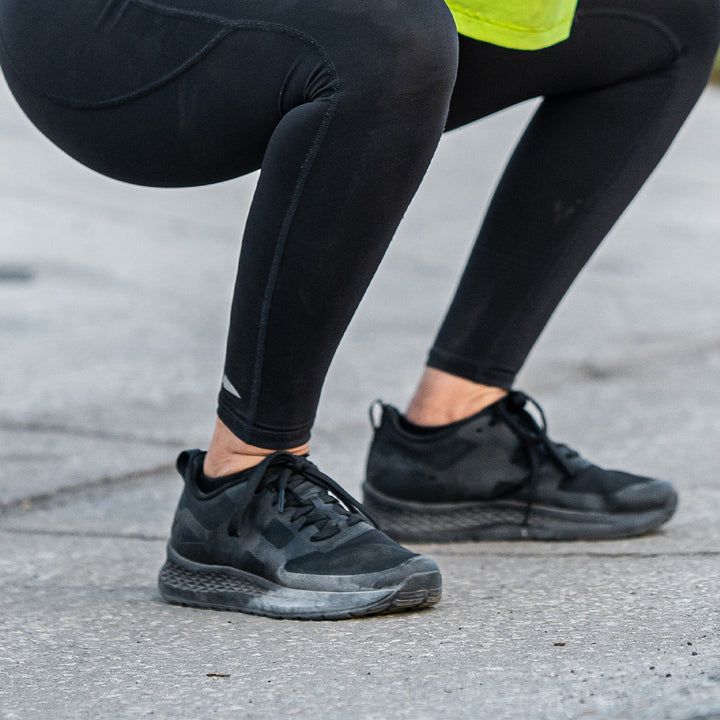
341,105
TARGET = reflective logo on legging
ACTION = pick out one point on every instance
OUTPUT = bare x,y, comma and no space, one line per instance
230,387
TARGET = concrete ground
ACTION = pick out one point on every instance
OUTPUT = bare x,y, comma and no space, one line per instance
113,309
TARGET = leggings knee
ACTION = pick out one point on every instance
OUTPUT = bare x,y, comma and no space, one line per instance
698,25
407,51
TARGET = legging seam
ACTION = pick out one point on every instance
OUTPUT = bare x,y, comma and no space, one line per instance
256,384
453,357
455,364
229,26
211,18
257,428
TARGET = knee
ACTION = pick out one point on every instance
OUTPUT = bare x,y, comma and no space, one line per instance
406,49
424,43
698,26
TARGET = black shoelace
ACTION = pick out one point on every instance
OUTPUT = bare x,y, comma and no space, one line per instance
329,509
512,412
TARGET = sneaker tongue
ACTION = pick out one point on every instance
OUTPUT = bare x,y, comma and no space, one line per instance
308,493
300,485
535,433
305,490
325,511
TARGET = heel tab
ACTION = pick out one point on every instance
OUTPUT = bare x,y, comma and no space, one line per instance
184,459
376,412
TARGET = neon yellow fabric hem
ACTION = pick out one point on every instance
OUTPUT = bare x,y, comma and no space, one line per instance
519,24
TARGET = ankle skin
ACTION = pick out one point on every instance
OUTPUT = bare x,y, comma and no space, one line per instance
442,398
228,454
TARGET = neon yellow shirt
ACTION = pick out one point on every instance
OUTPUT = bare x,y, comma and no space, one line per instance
519,24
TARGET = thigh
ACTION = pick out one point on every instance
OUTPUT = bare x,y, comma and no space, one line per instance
158,94
185,92
149,94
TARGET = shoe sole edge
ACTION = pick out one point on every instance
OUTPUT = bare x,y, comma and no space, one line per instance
184,582
410,521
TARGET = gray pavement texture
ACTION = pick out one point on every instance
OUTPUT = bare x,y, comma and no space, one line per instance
113,308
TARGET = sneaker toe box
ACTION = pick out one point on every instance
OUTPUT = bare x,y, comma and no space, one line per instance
647,494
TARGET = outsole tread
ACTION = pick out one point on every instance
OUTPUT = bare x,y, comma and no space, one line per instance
407,522
177,583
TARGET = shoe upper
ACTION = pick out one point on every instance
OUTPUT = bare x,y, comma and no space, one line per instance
500,453
287,522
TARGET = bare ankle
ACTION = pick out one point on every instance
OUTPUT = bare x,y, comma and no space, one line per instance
442,398
228,454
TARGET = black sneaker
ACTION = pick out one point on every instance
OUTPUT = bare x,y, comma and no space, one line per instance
497,476
286,541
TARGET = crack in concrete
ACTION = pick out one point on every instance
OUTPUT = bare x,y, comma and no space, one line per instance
46,498
51,429
149,537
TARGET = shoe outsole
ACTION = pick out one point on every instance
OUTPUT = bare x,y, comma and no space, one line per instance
183,582
407,521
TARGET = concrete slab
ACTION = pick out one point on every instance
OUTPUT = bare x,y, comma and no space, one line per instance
537,637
